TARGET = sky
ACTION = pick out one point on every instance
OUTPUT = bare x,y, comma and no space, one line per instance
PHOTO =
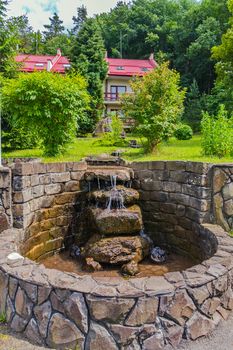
39,11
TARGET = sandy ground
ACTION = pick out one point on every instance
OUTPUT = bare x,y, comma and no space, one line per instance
221,339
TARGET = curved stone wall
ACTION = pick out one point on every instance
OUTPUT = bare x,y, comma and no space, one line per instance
63,310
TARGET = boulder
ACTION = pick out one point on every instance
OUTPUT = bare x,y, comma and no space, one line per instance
128,195
117,250
130,268
107,172
117,221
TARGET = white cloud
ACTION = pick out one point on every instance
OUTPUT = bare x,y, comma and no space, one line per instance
39,11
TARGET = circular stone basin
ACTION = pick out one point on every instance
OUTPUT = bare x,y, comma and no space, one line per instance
67,310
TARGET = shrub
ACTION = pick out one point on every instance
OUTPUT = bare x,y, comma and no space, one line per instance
183,132
217,134
155,105
51,105
114,137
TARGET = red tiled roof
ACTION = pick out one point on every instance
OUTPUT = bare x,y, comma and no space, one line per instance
128,67
30,62
117,66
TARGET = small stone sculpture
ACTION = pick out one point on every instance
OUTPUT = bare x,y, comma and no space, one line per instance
158,255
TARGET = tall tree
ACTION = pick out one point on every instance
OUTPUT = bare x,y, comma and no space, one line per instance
88,58
25,33
8,43
55,27
79,19
224,67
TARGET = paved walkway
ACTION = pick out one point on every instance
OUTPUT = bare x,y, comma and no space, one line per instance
221,339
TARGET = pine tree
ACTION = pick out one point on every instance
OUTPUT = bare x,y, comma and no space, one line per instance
55,27
88,58
193,107
80,19
8,42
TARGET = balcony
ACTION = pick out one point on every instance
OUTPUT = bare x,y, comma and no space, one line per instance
111,96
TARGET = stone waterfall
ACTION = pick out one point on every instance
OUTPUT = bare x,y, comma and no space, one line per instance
115,220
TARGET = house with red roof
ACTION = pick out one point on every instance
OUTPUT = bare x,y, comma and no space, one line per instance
120,72
32,63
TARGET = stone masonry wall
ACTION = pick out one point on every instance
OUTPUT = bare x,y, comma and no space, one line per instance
223,196
44,199
68,311
174,198
5,199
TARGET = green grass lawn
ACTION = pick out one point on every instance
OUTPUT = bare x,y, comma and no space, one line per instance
173,150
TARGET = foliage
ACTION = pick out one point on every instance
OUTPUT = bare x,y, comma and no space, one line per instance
18,137
2,318
79,19
55,27
194,104
8,43
224,67
48,104
183,132
62,41
156,104
88,55
217,134
24,32
184,30
114,137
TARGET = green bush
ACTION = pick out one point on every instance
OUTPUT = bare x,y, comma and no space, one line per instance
183,132
114,137
50,105
217,134
156,105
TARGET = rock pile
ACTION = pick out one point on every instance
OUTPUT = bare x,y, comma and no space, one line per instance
116,221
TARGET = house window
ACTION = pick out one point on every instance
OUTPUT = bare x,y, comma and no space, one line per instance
116,91
144,69
66,65
39,64
120,68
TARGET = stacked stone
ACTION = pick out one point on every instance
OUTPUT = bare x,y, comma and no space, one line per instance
44,196
174,197
5,199
116,222
223,196
63,310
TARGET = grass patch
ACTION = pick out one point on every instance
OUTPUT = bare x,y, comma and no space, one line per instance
171,150
3,318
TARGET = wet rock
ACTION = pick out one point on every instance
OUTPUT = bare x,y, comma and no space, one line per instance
117,221
129,195
106,172
117,250
98,338
91,265
198,326
131,268
63,333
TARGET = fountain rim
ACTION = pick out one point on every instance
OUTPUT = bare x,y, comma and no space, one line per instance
198,275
